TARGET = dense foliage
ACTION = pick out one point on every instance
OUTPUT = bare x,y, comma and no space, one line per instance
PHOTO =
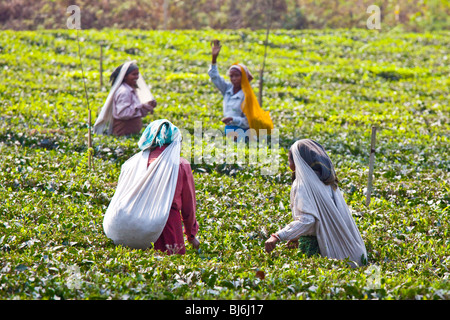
331,86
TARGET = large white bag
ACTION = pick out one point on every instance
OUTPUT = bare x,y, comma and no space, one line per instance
141,204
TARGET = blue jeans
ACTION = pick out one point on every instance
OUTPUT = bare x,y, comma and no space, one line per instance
240,134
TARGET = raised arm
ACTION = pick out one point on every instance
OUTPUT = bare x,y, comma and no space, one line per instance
213,72
215,49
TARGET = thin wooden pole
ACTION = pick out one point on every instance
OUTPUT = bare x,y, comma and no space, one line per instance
165,13
90,162
261,72
90,155
371,164
101,67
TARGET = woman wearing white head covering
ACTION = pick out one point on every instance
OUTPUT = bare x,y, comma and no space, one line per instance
128,102
318,207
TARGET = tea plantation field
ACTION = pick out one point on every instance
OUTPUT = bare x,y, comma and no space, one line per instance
328,85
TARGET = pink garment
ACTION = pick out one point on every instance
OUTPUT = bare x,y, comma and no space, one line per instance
171,239
127,127
128,111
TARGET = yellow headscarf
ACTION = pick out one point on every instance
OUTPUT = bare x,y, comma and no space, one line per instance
256,116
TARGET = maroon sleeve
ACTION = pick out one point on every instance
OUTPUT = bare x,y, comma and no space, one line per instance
188,200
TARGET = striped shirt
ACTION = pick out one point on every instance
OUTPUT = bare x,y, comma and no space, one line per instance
304,224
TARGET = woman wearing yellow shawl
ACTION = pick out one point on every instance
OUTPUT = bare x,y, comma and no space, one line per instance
241,109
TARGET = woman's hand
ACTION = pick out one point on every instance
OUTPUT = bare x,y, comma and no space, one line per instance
151,105
227,120
270,244
215,49
292,244
194,242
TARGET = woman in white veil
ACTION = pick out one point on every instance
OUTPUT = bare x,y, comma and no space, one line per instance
128,101
318,207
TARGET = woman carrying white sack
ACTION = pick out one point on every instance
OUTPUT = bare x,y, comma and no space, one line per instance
154,187
129,101
318,208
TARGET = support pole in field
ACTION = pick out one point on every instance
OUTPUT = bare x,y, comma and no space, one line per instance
74,22
90,150
165,13
261,72
90,162
371,164
101,66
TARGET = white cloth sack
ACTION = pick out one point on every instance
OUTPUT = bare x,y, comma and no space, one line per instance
143,90
139,209
104,119
337,234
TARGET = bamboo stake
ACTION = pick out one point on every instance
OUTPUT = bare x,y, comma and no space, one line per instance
261,72
165,13
101,67
90,160
371,164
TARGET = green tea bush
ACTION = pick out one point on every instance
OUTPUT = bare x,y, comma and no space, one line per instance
328,85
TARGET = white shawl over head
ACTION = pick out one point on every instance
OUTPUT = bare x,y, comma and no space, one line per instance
104,119
336,231
139,209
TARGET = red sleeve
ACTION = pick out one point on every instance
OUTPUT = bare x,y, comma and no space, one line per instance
188,201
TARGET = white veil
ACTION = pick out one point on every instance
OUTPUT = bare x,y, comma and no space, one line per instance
336,231
104,119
